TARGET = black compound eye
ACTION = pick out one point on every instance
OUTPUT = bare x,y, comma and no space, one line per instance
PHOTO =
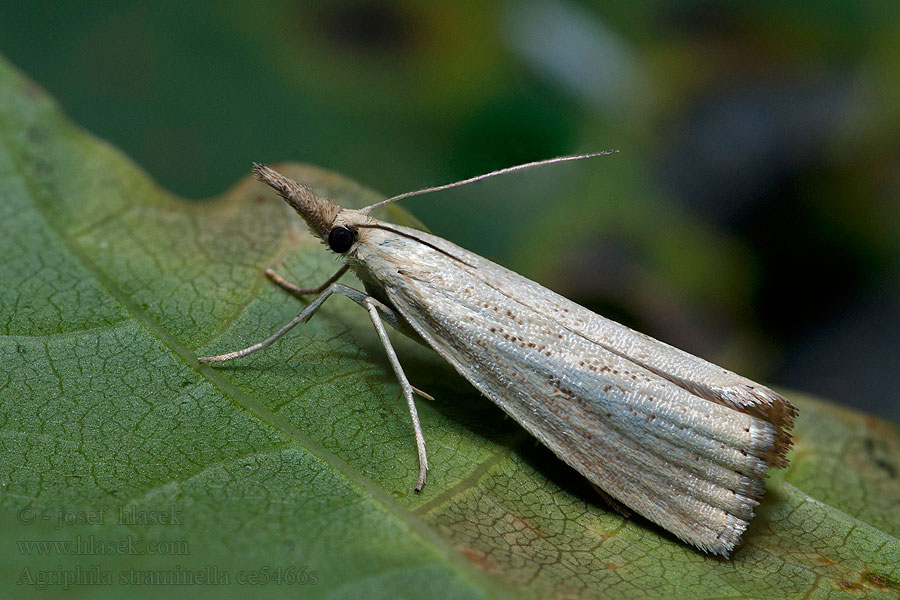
340,239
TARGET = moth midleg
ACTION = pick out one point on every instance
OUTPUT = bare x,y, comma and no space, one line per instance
371,307
299,291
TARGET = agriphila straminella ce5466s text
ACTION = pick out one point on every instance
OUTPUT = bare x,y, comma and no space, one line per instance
677,439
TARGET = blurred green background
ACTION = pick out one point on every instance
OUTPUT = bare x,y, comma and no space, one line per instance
751,217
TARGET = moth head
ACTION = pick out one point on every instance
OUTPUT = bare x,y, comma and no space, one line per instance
348,228
319,212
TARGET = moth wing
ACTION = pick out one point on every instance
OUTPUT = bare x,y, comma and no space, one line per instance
696,375
692,466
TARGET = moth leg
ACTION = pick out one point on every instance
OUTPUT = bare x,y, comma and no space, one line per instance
370,304
425,395
335,288
613,503
304,316
299,291
373,307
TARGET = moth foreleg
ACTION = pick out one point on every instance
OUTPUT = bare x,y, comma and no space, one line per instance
372,307
305,314
299,291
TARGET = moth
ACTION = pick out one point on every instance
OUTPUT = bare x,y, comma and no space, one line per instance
676,439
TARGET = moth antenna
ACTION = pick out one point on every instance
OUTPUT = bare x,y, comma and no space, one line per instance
447,186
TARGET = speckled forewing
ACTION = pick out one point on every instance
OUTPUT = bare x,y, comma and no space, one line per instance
692,465
690,372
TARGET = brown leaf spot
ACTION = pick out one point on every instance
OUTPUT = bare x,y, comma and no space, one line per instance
478,559
519,523
879,581
848,586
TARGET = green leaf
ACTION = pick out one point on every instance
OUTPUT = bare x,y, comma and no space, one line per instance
125,466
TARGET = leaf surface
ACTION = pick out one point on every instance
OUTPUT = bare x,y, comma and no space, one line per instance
125,466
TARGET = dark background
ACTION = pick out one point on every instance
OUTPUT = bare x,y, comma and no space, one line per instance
751,217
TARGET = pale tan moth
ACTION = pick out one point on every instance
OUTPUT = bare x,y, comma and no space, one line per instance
679,440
